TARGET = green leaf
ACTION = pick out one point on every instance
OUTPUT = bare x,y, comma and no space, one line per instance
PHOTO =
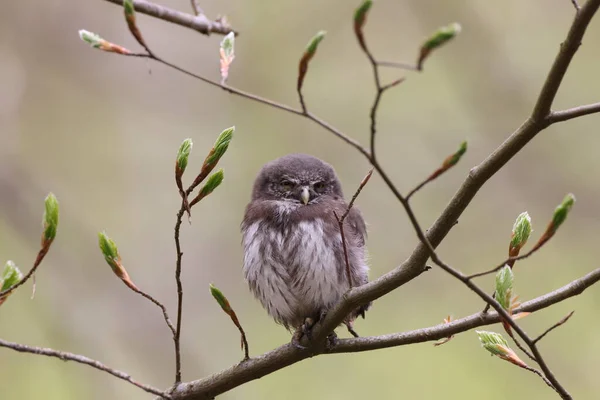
521,231
11,275
442,36
109,250
561,212
220,147
504,285
455,158
227,44
220,298
183,154
212,183
312,46
361,12
90,38
129,8
493,342
50,221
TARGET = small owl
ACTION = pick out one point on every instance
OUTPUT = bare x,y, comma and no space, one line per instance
293,255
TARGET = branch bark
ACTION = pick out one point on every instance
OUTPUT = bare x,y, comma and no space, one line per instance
287,354
199,23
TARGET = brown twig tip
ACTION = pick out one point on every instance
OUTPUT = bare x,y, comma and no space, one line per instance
556,325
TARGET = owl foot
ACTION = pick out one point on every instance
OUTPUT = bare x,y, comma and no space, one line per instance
350,328
304,330
331,342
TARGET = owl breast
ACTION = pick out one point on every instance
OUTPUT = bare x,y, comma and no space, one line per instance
296,269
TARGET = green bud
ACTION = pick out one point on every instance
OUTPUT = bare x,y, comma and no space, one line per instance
109,250
493,342
521,231
90,38
454,158
361,12
50,221
312,46
561,212
183,154
212,183
129,8
442,36
11,275
227,44
504,285
220,146
220,298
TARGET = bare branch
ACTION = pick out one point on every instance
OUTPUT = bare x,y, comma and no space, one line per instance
556,325
286,355
399,65
42,351
199,23
179,293
575,112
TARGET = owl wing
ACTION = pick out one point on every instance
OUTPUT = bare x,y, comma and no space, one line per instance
358,228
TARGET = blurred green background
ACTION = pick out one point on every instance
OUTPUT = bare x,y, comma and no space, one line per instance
101,131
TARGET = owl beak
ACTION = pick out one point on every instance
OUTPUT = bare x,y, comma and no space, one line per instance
305,195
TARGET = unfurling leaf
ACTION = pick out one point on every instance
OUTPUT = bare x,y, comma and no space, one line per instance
211,184
129,10
50,220
11,275
182,156
455,158
215,154
98,43
360,17
520,234
224,303
308,54
561,212
498,346
504,286
439,38
227,55
112,257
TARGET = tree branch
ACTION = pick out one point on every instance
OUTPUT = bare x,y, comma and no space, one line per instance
82,360
565,115
287,354
199,23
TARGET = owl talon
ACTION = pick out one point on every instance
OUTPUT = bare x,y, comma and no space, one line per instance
351,329
296,337
309,323
332,341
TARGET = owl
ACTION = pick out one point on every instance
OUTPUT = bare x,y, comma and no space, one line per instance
293,254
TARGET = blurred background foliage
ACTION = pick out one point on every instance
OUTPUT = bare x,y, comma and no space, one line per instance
101,131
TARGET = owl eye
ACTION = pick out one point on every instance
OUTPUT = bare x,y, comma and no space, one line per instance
319,186
286,185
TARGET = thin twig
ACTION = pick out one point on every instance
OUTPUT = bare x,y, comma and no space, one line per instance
576,5
65,356
540,374
505,262
575,112
345,248
160,305
196,7
519,345
199,23
179,294
400,65
556,325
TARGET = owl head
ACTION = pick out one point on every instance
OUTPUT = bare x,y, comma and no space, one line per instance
297,178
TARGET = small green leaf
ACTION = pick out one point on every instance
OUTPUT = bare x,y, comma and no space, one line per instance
109,250
312,46
212,183
129,8
521,231
11,275
227,44
493,342
90,38
361,12
561,212
442,36
220,298
220,147
455,158
50,221
183,154
504,286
